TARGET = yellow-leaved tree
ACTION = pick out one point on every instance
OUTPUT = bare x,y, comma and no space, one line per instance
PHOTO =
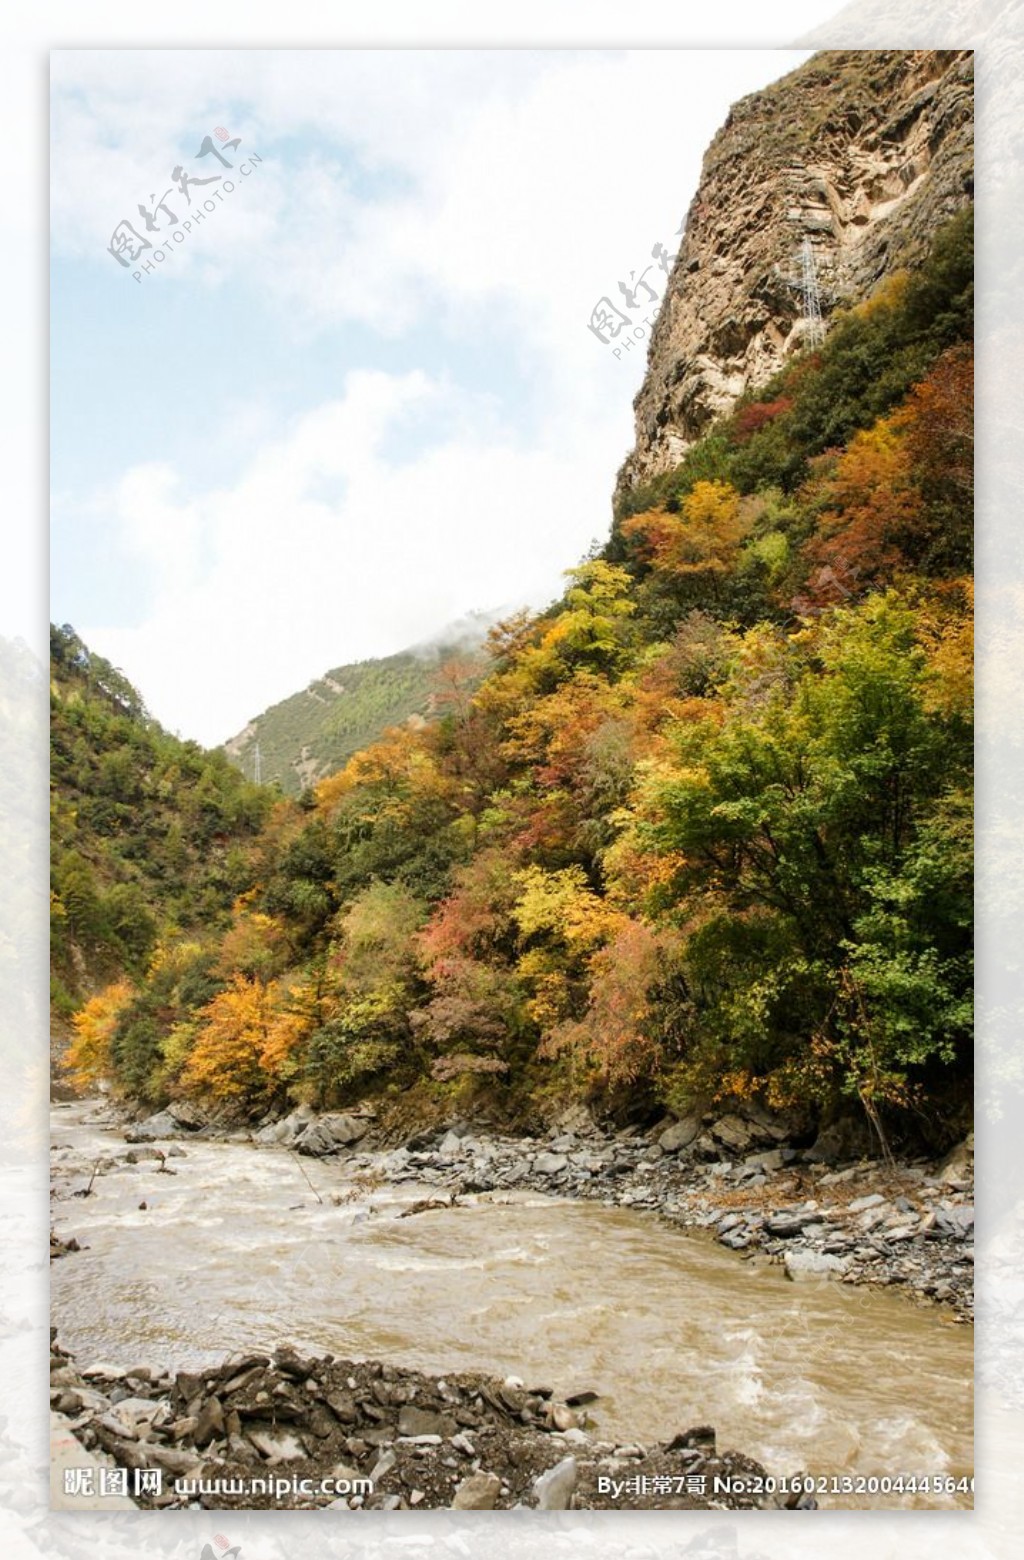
226,1060
88,1057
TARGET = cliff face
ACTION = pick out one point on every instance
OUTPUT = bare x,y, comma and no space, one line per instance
864,154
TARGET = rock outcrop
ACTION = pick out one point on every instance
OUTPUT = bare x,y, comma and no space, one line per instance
865,155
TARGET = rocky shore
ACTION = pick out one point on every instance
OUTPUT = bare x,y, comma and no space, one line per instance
293,1432
826,1210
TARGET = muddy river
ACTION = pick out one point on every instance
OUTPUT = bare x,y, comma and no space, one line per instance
234,1252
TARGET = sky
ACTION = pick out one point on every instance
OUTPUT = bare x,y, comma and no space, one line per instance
359,397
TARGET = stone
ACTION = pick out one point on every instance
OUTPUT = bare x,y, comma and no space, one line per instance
859,1204
344,1406
178,1462
276,1445
161,1125
345,1128
187,1115
209,1421
679,1135
786,1225
315,1141
384,1464
477,1493
768,1159
420,1421
550,1164
802,1264
553,1490
733,1133
959,1220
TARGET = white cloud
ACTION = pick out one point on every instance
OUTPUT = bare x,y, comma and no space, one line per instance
326,550
426,196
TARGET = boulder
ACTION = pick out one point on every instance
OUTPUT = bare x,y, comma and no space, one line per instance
276,1445
187,1115
209,1422
786,1224
803,1264
958,1221
161,1125
315,1141
420,1421
345,1128
328,1134
477,1493
288,1128
679,1135
553,1491
859,1204
768,1159
734,1134
549,1164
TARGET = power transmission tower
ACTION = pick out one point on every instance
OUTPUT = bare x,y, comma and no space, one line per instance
811,295
257,769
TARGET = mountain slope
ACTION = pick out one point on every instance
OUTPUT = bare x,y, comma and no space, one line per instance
312,733
703,832
147,832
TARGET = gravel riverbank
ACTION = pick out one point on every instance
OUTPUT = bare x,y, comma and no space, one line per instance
296,1432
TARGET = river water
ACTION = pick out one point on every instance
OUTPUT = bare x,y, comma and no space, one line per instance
235,1253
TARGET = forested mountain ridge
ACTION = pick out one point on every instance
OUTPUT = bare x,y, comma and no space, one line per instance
703,832
147,832
309,735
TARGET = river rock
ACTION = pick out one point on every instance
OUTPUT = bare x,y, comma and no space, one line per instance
276,1445
477,1493
288,1128
179,1462
859,1204
804,1264
553,1491
679,1135
786,1224
420,1421
328,1133
734,1134
767,1159
550,1164
209,1422
958,1220
161,1125
187,1115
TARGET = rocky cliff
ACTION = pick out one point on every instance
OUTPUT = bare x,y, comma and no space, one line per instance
861,153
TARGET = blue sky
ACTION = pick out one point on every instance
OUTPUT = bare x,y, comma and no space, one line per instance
361,399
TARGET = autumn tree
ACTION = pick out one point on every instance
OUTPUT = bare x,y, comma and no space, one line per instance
89,1057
